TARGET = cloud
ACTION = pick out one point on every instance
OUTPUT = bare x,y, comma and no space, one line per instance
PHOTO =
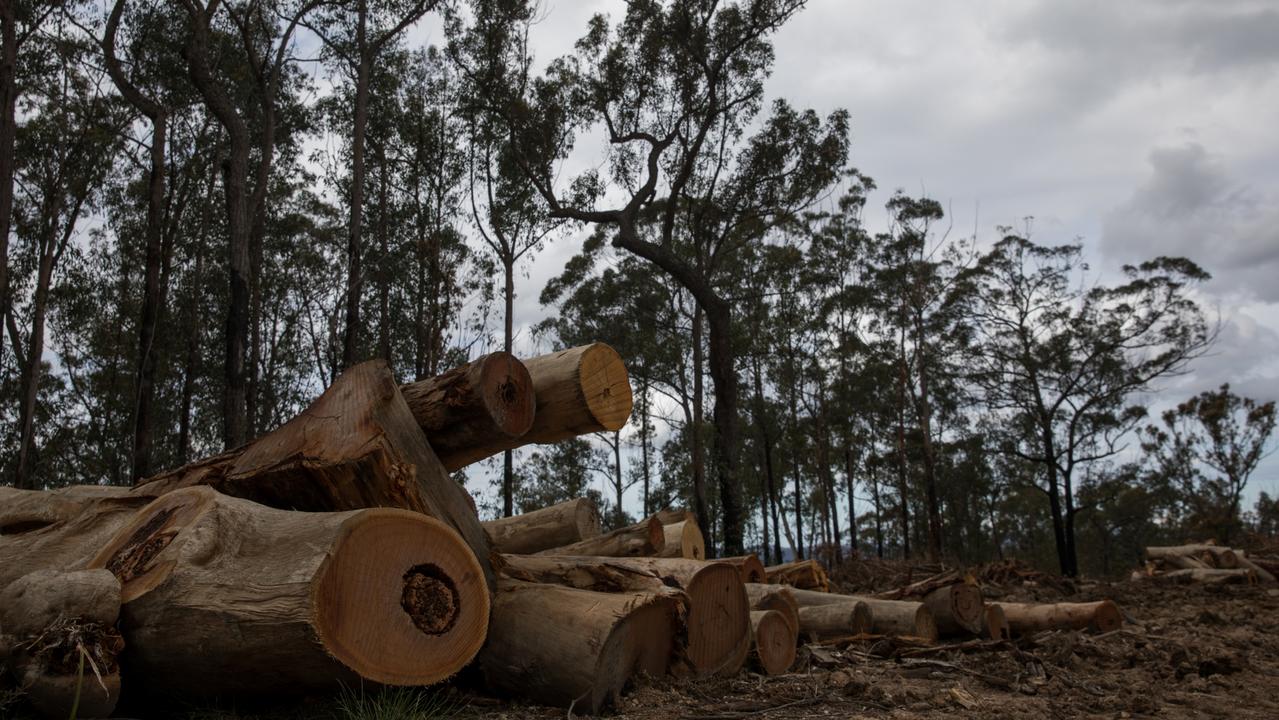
1190,206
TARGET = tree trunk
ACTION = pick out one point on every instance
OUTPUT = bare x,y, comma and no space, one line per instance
8,144
770,481
772,641
957,609
645,538
486,402
357,446
556,526
575,648
354,242
1101,616
837,620
508,295
697,452
34,363
888,617
197,629
683,540
724,377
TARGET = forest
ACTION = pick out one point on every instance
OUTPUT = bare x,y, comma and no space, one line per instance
209,210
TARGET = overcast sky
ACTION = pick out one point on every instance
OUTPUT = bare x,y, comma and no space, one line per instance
1140,128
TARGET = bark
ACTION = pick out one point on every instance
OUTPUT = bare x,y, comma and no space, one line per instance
841,620
697,450
888,617
197,629
556,526
357,446
769,479
486,402
575,648
644,538
1102,616
683,540
804,574
772,642
957,609
9,42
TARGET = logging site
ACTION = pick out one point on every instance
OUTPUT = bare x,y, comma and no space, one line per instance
646,359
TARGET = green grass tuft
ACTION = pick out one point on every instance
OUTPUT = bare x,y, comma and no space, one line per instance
395,703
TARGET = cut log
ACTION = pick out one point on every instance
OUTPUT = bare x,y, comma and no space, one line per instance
824,622
642,539
994,626
671,516
683,540
773,641
1213,576
774,597
750,567
61,529
888,617
600,574
1100,616
62,641
357,446
1263,574
718,622
488,401
225,597
575,648
555,526
957,609
802,574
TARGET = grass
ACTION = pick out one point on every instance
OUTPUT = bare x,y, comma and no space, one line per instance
394,703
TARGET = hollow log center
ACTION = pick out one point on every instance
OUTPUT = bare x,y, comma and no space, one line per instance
506,391
430,598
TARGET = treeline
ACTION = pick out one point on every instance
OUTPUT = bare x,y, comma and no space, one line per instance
199,235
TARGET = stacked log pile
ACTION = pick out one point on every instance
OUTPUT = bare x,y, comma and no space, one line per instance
1203,563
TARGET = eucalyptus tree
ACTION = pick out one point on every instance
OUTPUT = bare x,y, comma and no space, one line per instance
1060,364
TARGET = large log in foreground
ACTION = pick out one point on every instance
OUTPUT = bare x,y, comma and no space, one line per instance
1100,616
488,401
888,617
551,527
641,539
225,597
575,648
957,609
773,641
356,446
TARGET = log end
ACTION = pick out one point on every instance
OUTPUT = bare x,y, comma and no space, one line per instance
718,620
507,393
1106,617
400,600
995,624
586,516
774,641
606,386
926,624
967,606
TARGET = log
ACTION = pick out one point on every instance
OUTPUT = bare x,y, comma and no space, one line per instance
1213,576
488,401
574,648
994,625
888,617
59,529
225,597
555,526
51,617
824,622
1263,574
957,609
1100,616
357,446
641,539
669,516
802,574
718,621
773,641
750,567
683,540
774,597
600,574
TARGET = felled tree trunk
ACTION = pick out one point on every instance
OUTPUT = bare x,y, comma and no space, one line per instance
1213,576
957,609
994,626
575,648
484,403
773,642
774,597
225,597
61,529
888,617
61,641
683,540
356,446
555,526
644,538
718,621
750,567
1100,616
823,622
802,574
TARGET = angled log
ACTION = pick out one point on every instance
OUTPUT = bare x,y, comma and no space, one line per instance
642,539
957,608
994,625
600,574
225,597
824,622
774,597
357,446
888,617
773,642
555,526
802,574
486,402
683,540
49,617
1100,616
1213,576
750,567
670,516
575,648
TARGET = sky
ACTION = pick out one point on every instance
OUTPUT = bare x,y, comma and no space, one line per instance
1139,129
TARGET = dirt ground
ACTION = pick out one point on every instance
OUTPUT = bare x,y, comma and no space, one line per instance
1186,651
